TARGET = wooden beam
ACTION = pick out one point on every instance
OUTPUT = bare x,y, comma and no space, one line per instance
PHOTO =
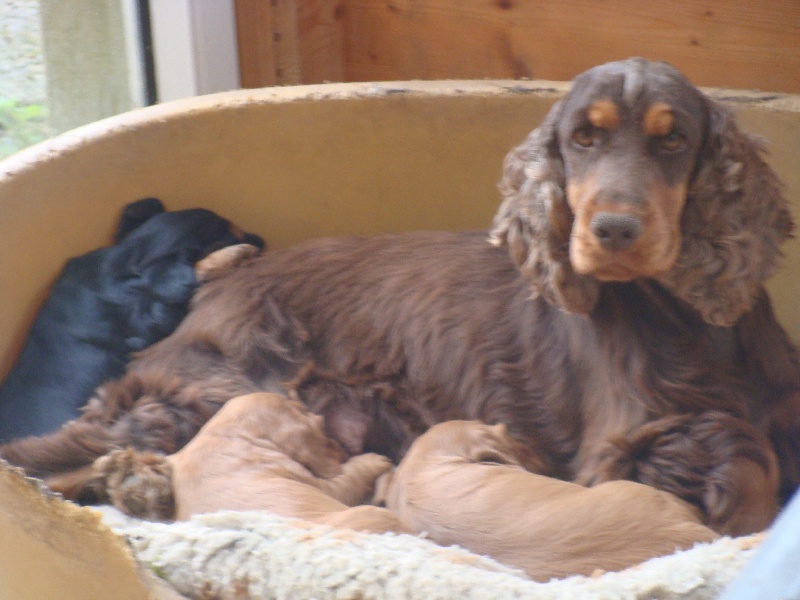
254,41
269,52
285,42
724,43
320,32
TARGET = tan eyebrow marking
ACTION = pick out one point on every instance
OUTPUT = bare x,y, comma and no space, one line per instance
659,119
603,114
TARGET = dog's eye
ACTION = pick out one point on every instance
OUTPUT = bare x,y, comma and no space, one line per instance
672,142
584,137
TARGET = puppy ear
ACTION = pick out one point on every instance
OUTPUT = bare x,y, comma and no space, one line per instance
535,221
734,221
304,441
136,213
492,445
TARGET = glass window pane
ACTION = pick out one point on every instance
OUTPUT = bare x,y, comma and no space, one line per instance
65,63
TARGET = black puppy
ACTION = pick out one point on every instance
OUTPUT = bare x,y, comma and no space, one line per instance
106,305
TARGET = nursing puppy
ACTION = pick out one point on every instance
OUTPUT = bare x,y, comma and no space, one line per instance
259,452
461,483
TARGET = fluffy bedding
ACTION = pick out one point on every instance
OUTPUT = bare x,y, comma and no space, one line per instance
244,556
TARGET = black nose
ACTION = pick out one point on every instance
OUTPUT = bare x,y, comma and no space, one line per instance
616,231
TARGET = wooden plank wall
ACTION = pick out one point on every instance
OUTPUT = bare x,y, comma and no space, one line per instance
724,43
285,42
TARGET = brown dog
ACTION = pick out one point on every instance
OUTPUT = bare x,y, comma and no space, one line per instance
620,284
260,452
462,484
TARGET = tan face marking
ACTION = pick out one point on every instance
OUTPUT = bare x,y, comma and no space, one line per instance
603,114
658,120
653,253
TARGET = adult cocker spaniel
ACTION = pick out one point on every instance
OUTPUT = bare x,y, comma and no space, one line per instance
620,284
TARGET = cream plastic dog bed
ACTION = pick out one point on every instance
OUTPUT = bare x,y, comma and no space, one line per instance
291,164
53,549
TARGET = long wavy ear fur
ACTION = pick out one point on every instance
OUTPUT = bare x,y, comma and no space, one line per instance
535,222
734,221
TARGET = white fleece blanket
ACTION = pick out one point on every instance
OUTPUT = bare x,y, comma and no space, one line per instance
243,556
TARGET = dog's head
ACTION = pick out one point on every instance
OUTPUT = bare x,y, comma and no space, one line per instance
151,268
157,249
635,173
472,441
287,426
629,138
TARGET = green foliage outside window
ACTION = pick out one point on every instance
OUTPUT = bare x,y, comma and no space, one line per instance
21,125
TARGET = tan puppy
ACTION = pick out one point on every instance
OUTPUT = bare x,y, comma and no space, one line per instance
462,484
259,452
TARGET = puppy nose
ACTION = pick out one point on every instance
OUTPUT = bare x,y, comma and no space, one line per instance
616,231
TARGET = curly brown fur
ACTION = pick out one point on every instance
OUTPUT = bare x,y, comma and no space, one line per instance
637,205
720,463
461,483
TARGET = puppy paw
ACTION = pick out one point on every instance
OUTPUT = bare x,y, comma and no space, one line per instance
137,483
223,260
370,465
356,483
382,485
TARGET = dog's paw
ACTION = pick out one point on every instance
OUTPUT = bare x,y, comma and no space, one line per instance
221,261
137,483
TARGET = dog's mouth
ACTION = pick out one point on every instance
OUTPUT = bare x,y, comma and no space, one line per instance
615,272
622,265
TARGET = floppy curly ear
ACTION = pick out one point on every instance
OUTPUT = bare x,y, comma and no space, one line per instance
535,221
734,221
